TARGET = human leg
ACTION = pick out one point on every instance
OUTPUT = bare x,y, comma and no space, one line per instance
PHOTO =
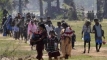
100,46
84,46
88,47
97,47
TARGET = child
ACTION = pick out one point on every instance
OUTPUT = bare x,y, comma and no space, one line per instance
73,39
25,32
16,32
99,33
86,30
52,47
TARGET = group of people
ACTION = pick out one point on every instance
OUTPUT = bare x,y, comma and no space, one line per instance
48,37
15,27
90,15
45,36
97,30
42,34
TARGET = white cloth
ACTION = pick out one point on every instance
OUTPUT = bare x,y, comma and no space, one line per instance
68,32
98,29
48,28
86,29
16,29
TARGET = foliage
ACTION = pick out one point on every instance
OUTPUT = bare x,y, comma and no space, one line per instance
71,13
48,0
1,15
67,2
6,4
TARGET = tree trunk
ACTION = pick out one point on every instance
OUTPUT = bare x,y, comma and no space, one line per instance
41,7
58,5
100,8
105,9
20,7
98,5
73,9
74,12
49,8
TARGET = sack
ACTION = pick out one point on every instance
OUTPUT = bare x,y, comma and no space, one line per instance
87,36
35,36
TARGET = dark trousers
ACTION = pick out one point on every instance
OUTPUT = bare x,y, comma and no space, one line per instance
25,35
85,46
39,48
21,34
98,46
73,44
16,35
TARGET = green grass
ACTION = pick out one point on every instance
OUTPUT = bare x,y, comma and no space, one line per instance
77,26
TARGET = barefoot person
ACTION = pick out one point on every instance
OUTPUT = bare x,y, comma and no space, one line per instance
32,28
73,40
86,32
58,30
52,47
66,44
98,34
40,42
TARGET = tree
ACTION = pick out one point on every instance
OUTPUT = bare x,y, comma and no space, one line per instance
72,14
58,5
67,2
20,7
41,7
105,9
49,7
24,3
100,9
6,4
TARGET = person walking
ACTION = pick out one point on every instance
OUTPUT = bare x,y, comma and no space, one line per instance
40,42
86,30
52,47
66,44
97,29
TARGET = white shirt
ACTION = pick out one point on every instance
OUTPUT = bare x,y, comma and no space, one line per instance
58,31
48,28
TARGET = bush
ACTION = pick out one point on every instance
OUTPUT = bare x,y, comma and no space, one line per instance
59,16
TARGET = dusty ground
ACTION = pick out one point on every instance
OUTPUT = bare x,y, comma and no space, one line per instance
77,51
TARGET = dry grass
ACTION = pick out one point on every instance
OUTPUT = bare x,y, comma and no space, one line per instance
23,49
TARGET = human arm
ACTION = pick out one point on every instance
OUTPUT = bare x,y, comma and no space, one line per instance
43,35
103,34
93,30
82,32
